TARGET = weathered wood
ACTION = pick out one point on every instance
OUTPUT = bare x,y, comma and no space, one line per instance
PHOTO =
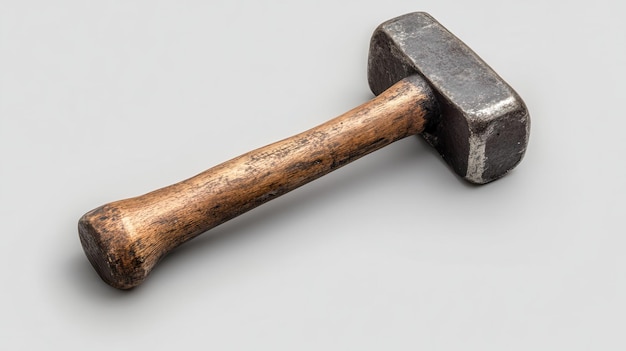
125,239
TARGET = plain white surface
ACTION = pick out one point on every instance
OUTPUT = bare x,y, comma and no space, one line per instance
105,100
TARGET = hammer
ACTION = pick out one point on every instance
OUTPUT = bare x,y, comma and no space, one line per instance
427,82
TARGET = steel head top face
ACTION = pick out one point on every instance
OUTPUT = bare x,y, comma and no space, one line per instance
483,128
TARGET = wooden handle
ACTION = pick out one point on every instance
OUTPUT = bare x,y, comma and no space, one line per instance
125,239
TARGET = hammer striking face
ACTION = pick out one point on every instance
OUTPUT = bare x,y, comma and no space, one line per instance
483,128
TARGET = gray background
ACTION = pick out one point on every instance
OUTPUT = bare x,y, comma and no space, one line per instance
103,100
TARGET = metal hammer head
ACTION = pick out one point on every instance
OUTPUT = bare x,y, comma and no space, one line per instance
483,128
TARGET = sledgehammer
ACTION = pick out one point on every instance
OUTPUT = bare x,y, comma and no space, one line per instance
427,82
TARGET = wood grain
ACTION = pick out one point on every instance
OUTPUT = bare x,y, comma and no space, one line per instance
124,240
